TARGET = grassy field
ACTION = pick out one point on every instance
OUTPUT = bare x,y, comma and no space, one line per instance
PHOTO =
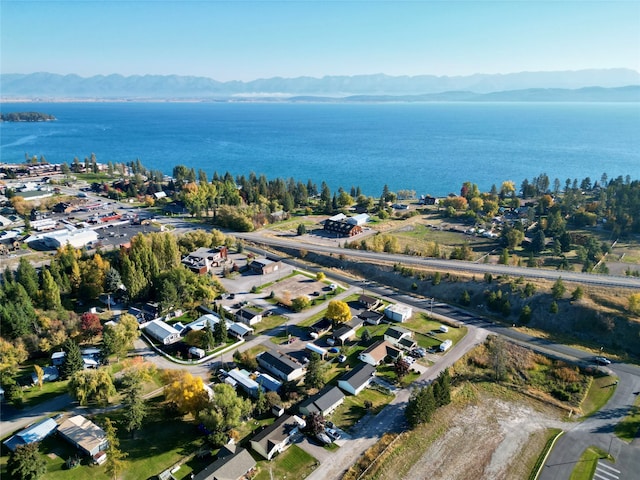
268,323
586,466
539,441
35,395
600,391
629,427
352,410
293,464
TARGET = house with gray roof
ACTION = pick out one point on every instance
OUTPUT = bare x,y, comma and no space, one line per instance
324,402
281,365
277,437
357,379
233,463
162,332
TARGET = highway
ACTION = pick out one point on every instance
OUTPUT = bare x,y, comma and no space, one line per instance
478,268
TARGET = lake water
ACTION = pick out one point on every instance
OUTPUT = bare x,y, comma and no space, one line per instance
429,147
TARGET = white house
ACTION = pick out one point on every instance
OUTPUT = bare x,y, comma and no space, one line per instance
248,316
400,337
278,436
357,379
398,312
162,332
376,353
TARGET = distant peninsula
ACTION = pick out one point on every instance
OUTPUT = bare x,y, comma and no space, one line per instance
26,117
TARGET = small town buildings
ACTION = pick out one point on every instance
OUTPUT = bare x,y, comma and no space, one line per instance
278,436
324,402
376,353
239,330
264,266
343,334
84,434
322,326
281,365
232,463
203,259
369,302
77,238
357,379
248,316
162,332
35,433
398,312
341,228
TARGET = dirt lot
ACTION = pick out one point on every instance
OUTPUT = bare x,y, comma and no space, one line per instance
297,286
489,438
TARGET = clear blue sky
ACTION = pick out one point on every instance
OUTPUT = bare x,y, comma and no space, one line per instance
242,40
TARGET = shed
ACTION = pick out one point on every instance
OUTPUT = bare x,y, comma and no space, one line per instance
398,312
313,348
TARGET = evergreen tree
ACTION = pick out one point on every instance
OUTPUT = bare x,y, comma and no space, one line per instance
444,391
26,463
315,372
558,289
220,332
421,406
209,337
73,359
114,464
28,278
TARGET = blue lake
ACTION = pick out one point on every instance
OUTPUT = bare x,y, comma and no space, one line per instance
428,147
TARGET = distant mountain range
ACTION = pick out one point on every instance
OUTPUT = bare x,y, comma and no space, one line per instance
620,85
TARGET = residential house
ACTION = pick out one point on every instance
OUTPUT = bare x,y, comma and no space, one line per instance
324,402
398,312
357,379
248,316
343,334
370,317
281,365
267,382
400,337
278,436
84,434
368,302
264,266
243,379
35,433
376,353
162,332
233,463
239,330
322,326
50,374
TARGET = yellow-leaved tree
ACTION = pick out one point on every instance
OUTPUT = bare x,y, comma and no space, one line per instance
338,311
186,392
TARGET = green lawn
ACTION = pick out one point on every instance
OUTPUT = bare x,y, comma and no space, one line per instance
586,466
628,428
388,373
551,434
352,410
292,464
599,393
35,395
422,324
268,323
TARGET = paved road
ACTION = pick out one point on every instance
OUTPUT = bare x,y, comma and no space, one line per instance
598,430
585,278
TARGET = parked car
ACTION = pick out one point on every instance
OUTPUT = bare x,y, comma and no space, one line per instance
602,361
409,360
333,433
342,358
334,350
331,341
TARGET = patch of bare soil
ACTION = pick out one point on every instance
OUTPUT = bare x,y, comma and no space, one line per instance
484,442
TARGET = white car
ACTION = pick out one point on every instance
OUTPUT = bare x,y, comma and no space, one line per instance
602,361
409,360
